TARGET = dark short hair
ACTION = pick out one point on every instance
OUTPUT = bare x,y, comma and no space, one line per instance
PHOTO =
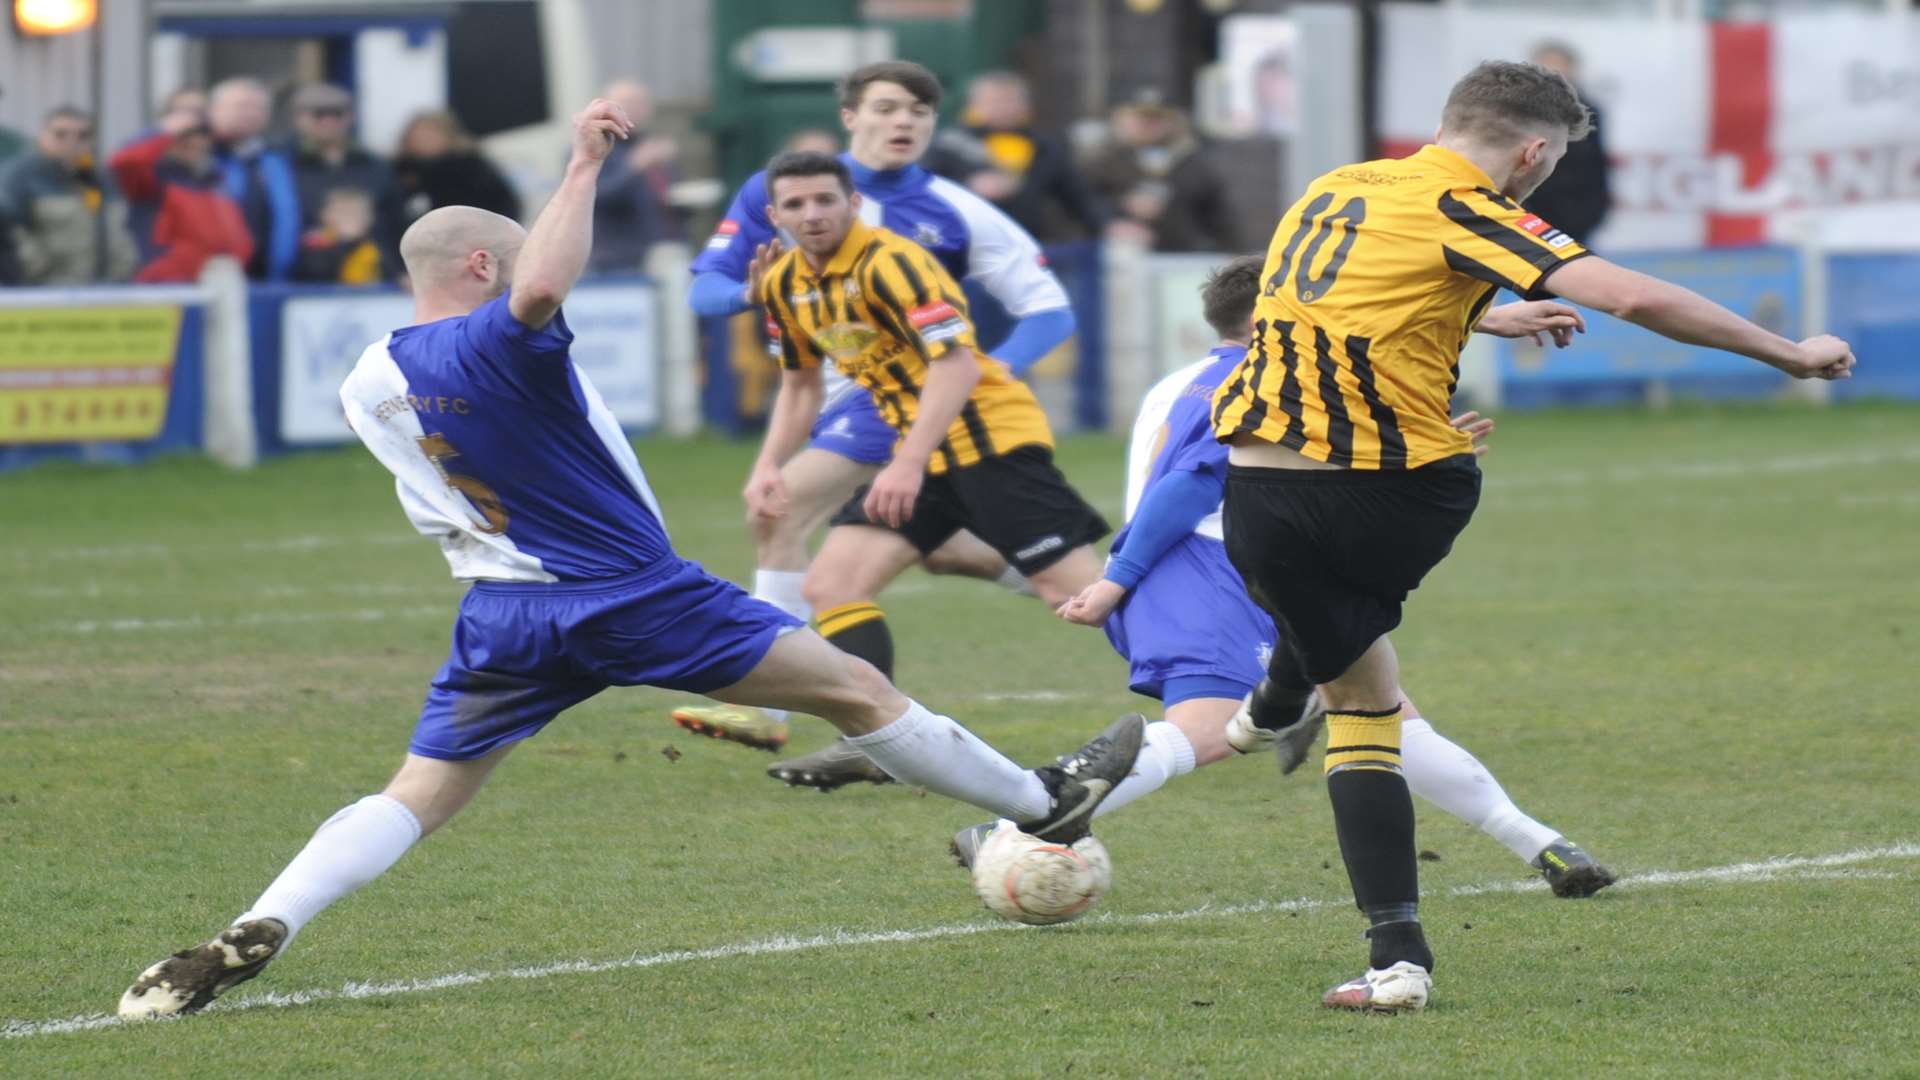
924,85
1504,101
808,163
1228,295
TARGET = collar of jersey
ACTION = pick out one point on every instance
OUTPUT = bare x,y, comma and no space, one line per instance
865,179
1444,158
843,259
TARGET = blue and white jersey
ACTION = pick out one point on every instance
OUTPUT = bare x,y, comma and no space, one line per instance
1174,432
503,451
970,237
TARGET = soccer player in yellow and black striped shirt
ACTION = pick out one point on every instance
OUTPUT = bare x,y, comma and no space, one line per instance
1347,483
975,451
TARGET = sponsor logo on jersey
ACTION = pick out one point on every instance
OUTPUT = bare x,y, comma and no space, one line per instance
723,235
845,342
1548,235
927,314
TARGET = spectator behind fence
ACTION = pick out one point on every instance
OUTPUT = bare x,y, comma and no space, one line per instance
187,99
812,140
439,165
66,231
1576,198
341,248
181,211
12,143
630,212
1030,176
258,178
1164,188
326,160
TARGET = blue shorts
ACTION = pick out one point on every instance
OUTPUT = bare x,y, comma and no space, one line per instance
853,429
522,652
1189,629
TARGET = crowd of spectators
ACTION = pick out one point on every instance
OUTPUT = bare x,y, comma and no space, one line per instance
212,177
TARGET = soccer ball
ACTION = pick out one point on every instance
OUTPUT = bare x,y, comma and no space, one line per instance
1029,880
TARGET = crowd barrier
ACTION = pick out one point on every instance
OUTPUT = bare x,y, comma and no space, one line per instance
236,370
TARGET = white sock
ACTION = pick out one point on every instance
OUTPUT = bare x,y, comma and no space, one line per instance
1016,582
349,849
781,588
1446,775
1165,754
925,748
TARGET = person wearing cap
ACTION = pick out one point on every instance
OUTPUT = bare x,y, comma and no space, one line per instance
1000,156
176,188
1159,178
325,159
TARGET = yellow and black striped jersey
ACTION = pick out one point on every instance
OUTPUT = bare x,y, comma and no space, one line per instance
1373,281
883,310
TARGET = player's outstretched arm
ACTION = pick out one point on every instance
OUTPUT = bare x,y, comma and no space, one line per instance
1684,315
556,247
795,408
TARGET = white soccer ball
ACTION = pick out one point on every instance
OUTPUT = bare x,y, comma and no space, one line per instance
1030,880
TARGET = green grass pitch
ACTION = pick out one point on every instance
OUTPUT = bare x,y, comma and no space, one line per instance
1685,639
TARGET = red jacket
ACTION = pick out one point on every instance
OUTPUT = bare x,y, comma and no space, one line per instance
192,217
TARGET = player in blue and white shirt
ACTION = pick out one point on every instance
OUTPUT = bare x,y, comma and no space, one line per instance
889,110
1175,608
503,452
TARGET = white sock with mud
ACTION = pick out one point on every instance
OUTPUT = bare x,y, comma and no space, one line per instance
781,588
1446,775
350,849
1165,754
925,748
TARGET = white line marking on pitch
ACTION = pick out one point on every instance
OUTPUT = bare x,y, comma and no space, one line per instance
1807,867
258,618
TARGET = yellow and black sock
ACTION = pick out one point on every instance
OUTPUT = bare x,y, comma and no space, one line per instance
1373,814
859,629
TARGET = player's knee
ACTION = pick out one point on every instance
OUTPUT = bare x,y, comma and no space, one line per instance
763,529
827,586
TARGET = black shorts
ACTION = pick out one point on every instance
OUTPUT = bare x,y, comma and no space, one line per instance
1333,554
1018,502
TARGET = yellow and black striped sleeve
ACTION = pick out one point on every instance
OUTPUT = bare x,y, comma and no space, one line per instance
1489,237
789,340
917,300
